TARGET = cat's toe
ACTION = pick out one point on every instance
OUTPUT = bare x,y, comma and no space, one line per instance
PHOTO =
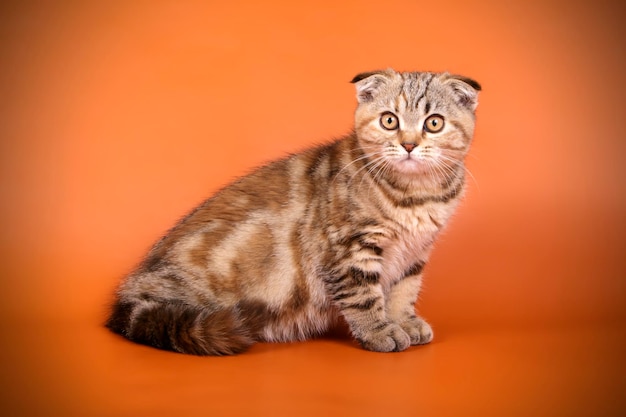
418,330
389,339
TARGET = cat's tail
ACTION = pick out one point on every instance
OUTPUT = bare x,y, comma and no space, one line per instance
181,328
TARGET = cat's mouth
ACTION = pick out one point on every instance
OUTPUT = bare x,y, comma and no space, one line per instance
410,163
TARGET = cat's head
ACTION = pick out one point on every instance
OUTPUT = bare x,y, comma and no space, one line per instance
415,123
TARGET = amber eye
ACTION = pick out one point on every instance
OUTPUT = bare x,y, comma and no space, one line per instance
389,121
434,123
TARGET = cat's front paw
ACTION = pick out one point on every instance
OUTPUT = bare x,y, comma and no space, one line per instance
391,338
418,330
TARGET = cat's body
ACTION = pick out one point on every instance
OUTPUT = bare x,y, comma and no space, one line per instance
338,231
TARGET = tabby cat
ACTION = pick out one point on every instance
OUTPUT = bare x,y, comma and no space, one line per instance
339,232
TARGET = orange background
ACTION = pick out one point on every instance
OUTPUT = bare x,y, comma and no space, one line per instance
116,118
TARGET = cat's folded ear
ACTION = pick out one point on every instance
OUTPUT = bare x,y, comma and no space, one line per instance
368,84
465,89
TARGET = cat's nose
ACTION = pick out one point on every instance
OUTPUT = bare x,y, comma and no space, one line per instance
409,146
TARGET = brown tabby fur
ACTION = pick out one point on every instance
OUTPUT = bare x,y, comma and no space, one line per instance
337,231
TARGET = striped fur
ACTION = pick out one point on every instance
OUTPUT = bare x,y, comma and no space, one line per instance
337,232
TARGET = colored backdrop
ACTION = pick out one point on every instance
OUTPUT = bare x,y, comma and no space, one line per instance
116,118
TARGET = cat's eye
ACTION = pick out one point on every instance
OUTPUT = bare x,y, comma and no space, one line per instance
389,121
434,123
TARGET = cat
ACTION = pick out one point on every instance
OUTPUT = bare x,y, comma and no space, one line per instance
336,233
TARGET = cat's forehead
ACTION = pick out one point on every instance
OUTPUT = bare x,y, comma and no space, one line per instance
412,81
414,86
416,92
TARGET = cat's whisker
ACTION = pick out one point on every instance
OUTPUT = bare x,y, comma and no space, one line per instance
432,171
382,169
371,170
445,171
466,169
367,166
474,180
439,167
362,157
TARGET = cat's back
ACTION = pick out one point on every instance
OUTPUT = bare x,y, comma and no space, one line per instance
277,192
239,240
